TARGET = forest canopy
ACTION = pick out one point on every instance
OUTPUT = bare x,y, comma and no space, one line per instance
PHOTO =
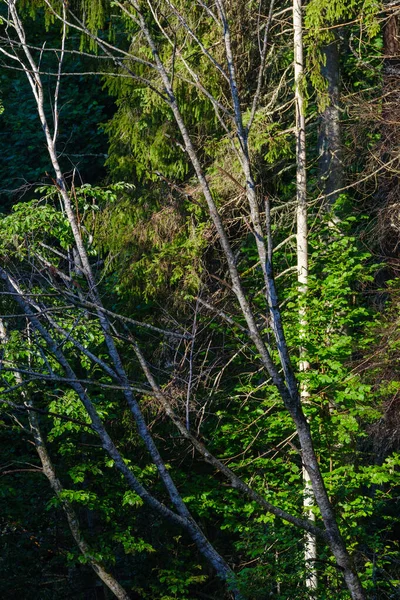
199,291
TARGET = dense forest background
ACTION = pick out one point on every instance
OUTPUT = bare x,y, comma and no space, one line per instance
199,292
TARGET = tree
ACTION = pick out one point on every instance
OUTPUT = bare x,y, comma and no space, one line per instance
49,472
168,60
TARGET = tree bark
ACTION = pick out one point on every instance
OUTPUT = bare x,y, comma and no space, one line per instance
329,139
184,520
310,540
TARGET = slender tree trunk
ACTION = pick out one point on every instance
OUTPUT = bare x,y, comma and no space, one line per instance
184,520
390,136
329,141
310,540
391,75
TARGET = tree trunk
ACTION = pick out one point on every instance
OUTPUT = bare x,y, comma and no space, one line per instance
329,141
310,540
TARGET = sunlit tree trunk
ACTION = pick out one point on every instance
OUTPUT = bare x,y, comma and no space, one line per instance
310,542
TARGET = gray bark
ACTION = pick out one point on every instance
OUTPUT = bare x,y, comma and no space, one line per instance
329,140
183,519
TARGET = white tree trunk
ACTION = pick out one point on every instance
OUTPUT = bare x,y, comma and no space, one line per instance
310,541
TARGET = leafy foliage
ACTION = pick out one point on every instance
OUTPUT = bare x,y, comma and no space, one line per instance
154,253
